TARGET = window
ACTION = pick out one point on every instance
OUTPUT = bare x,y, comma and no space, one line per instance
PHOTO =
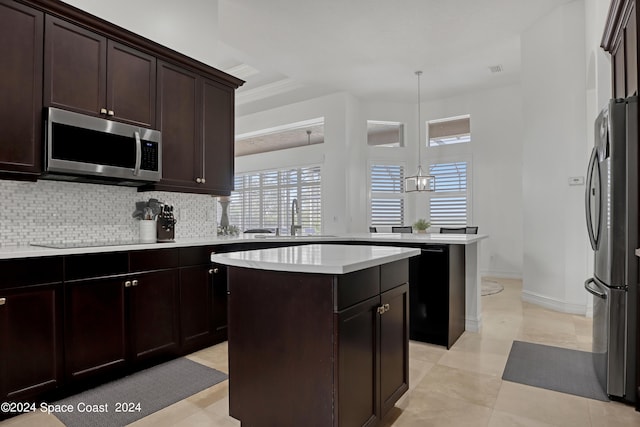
449,131
385,134
448,203
264,200
299,134
387,198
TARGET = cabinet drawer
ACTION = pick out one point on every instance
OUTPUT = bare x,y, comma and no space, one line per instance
196,255
394,274
30,271
95,265
156,259
355,287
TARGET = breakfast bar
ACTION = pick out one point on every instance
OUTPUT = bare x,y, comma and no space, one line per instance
318,329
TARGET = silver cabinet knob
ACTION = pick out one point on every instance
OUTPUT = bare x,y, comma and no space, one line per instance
386,307
380,310
203,180
103,111
198,180
111,113
135,283
213,271
127,284
3,301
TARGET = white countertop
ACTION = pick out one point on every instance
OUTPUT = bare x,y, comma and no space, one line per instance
27,251
323,259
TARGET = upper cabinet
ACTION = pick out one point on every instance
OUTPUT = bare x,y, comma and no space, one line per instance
620,39
21,32
87,73
195,116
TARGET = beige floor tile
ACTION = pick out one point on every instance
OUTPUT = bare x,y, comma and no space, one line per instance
427,352
471,342
542,405
504,419
434,409
483,363
613,414
36,418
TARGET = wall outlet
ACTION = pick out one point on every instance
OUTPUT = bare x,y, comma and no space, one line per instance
576,180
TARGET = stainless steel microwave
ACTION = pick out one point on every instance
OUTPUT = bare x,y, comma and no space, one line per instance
92,149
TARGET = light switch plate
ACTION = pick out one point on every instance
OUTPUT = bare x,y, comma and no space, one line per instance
576,180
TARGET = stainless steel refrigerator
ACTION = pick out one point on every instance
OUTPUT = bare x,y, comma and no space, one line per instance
612,221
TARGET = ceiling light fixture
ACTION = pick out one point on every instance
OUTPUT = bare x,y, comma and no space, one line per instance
419,182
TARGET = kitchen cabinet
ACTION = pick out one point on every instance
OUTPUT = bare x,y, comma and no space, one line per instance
86,72
203,300
21,50
30,328
114,321
195,116
334,347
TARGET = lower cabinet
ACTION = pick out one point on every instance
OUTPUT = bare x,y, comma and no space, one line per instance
31,357
114,322
30,341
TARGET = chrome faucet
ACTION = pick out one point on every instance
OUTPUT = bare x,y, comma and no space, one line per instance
294,211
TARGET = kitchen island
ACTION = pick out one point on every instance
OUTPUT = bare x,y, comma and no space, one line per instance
318,334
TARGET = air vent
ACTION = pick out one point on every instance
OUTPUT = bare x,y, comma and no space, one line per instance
495,68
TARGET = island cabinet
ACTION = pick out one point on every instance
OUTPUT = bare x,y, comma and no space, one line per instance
317,349
30,328
203,299
121,310
21,32
90,74
195,116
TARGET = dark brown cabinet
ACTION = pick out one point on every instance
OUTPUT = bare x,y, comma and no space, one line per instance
195,116
334,347
30,328
90,74
21,32
203,300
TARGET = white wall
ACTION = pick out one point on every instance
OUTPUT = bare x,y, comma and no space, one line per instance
555,148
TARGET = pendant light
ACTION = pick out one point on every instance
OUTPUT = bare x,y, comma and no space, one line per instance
419,182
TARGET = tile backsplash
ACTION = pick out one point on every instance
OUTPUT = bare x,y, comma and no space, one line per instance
52,211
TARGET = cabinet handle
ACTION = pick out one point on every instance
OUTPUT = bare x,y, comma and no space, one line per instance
111,113
213,271
203,180
103,111
381,310
198,180
135,283
386,307
3,301
127,284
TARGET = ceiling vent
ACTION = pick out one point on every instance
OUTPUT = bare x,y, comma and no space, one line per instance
495,68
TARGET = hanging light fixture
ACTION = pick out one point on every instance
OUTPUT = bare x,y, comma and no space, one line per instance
419,182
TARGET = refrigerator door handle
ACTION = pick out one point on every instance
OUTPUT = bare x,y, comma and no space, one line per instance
587,198
593,289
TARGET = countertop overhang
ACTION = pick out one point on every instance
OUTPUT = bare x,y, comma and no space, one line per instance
316,258
27,251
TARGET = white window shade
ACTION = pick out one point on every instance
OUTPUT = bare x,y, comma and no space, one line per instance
387,198
448,203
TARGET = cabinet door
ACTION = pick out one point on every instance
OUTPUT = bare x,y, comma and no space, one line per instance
131,85
30,341
196,298
21,32
394,346
218,137
358,364
219,315
178,101
154,303
95,327
75,67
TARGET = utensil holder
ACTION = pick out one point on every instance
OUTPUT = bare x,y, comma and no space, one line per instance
147,231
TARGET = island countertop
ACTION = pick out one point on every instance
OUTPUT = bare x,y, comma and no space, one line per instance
315,258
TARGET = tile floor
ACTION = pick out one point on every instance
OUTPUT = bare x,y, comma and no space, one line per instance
459,387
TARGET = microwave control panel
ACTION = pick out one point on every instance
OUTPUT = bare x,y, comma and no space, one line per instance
149,156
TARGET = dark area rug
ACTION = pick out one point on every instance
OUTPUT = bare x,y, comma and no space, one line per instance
139,394
554,368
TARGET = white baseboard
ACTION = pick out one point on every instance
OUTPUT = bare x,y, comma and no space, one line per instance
473,325
553,304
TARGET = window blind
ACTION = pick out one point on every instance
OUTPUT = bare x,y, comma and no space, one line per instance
264,200
448,203
387,198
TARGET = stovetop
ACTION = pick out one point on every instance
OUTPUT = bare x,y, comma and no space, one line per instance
72,245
